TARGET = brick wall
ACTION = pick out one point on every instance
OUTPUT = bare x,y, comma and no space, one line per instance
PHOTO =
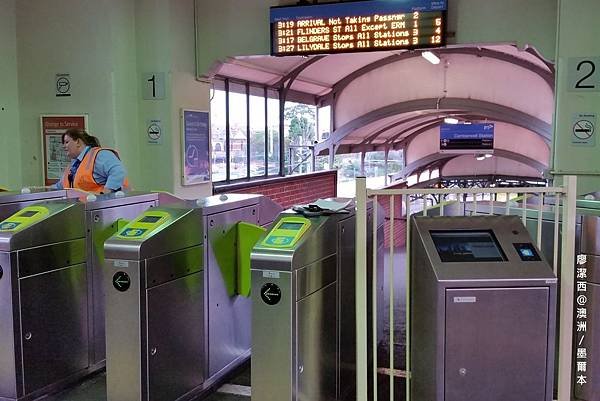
289,191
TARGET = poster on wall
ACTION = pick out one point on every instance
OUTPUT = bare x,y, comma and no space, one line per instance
54,157
196,146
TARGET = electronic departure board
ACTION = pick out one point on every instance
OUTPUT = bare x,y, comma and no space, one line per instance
466,138
346,27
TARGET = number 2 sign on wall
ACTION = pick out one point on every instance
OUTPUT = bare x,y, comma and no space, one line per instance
584,74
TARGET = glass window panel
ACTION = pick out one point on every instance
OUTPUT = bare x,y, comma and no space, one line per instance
238,126
322,163
300,121
217,134
375,169
324,123
395,164
257,136
412,180
348,166
273,127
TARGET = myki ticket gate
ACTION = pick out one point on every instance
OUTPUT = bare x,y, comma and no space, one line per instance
11,202
43,299
178,312
483,302
303,307
51,258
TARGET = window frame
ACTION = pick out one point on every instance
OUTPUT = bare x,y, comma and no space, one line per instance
268,93
224,84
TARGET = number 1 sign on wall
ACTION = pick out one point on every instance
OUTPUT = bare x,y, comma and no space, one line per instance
153,84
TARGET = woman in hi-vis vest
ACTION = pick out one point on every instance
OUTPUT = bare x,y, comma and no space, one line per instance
93,169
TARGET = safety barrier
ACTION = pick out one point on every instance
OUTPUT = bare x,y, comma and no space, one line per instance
417,201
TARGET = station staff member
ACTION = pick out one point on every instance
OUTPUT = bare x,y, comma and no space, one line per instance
93,169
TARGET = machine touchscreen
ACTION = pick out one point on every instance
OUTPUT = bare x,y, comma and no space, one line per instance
467,246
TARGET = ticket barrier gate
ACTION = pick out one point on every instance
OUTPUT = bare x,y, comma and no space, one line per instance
303,307
177,322
43,299
483,311
11,202
51,255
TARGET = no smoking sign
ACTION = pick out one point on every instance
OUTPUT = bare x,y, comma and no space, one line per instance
154,131
584,129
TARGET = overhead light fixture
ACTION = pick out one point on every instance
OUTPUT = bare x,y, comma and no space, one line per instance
450,120
479,157
488,155
432,58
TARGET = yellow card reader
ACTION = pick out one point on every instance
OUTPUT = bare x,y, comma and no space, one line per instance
287,232
24,218
144,225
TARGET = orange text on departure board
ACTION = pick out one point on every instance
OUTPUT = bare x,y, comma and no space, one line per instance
372,32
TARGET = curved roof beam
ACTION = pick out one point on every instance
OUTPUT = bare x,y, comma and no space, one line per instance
424,127
434,157
292,75
450,113
489,110
547,76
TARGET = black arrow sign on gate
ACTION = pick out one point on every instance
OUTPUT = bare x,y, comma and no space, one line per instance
270,293
121,281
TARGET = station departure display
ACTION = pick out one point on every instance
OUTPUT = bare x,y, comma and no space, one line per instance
372,25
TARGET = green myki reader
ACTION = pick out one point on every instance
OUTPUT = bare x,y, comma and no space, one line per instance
144,225
25,218
287,232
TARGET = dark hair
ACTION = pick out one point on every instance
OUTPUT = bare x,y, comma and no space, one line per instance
87,139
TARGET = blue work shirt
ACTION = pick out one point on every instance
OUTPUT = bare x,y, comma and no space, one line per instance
108,169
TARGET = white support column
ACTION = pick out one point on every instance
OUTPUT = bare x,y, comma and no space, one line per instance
567,283
361,288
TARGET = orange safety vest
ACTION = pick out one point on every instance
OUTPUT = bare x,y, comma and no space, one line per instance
84,176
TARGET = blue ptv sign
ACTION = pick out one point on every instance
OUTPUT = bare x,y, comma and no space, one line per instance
466,138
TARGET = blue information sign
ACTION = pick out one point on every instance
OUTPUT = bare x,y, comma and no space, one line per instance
358,26
196,157
466,137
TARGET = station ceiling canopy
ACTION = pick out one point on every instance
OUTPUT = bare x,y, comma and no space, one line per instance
395,99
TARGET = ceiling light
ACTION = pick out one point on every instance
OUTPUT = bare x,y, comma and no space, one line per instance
432,58
480,157
488,155
450,120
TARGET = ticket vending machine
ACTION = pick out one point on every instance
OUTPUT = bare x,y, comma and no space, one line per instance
483,304
178,315
303,308
52,261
